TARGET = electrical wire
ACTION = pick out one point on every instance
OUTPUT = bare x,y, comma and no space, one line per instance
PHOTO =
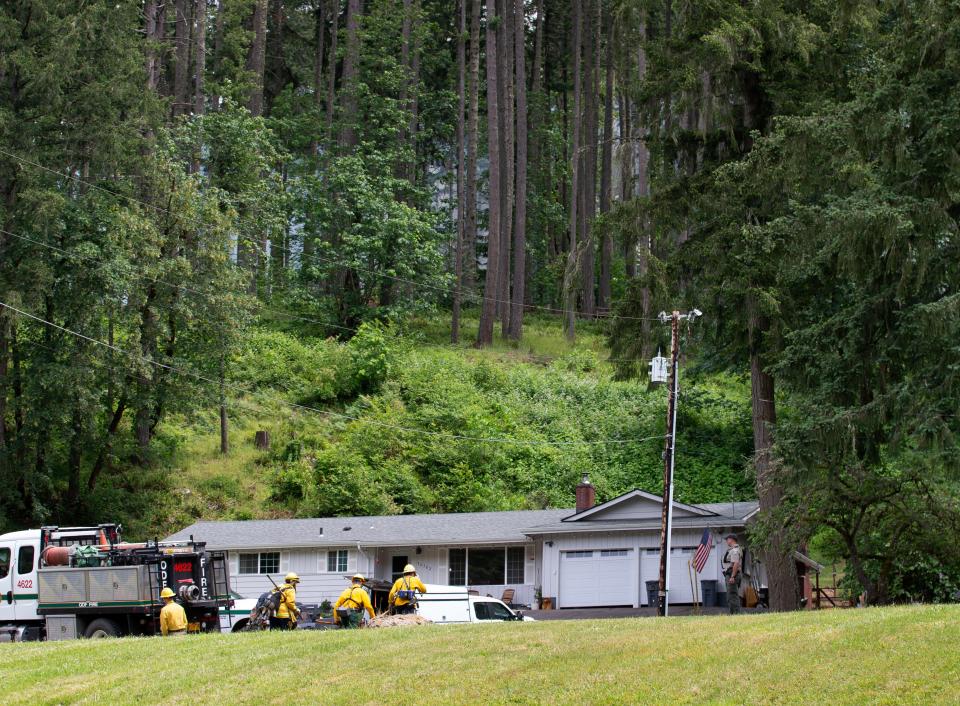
146,278
307,408
341,263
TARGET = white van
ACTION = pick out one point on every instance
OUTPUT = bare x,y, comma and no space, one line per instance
452,604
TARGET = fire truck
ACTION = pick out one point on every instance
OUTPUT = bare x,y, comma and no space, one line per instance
60,583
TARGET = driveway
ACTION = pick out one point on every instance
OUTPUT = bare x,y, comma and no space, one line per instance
600,613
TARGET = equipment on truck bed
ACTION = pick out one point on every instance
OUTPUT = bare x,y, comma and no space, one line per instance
84,581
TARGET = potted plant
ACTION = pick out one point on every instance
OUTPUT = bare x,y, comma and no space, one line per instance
538,596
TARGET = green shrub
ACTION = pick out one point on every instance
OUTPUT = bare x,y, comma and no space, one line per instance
373,350
305,371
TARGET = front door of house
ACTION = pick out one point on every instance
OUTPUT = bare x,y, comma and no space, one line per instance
396,566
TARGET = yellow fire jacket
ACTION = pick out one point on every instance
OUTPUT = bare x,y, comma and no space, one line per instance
288,603
354,597
173,618
405,583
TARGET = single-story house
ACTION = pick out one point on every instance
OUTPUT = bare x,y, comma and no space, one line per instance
591,555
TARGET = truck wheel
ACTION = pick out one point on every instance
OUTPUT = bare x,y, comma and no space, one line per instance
101,628
240,625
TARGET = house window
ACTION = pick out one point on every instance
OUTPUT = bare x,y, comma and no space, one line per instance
262,563
458,567
337,560
516,563
612,552
579,555
485,567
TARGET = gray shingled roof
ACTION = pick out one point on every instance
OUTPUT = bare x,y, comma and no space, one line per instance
387,530
450,528
725,515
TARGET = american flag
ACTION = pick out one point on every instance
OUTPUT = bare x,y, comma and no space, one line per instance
703,551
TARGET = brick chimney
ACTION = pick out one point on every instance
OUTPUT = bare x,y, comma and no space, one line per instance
586,494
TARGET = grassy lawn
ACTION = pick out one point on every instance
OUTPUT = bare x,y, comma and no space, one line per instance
876,656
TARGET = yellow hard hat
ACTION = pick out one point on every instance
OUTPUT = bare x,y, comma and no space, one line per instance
408,569
291,578
359,577
167,592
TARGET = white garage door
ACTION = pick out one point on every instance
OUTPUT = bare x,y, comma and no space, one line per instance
599,577
680,588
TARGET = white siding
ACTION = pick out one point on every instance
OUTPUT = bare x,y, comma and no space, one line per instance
433,567
644,566
316,584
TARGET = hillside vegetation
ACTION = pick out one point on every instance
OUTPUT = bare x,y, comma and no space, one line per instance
875,656
405,396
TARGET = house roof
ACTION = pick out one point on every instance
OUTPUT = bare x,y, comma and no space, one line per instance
449,528
639,494
386,530
716,515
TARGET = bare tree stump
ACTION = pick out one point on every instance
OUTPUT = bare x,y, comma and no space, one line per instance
262,439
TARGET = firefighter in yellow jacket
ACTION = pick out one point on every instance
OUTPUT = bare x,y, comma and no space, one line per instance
173,618
287,612
348,610
403,595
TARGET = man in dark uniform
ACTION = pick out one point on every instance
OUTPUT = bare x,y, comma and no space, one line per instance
733,571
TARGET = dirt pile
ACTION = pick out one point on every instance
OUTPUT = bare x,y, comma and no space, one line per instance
397,621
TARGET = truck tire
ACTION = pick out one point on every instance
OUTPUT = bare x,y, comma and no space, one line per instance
102,628
240,625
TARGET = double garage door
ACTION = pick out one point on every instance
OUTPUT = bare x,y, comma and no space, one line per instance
609,577
598,577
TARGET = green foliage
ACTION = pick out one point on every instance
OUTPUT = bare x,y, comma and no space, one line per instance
374,463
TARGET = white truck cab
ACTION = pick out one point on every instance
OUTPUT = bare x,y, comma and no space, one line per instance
19,556
453,604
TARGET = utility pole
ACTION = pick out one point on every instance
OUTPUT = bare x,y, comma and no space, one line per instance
666,519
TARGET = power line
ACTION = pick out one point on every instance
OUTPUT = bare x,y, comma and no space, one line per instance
447,290
101,265
294,405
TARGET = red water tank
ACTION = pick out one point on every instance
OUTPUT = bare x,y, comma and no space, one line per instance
56,556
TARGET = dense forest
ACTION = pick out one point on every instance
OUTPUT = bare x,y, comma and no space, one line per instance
220,212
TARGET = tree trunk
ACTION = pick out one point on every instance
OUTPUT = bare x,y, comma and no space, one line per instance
507,163
589,161
351,64
319,38
256,58
488,312
224,430
181,74
606,170
153,31
569,278
470,235
218,30
777,554
200,53
332,65
413,123
520,224
461,200
402,168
